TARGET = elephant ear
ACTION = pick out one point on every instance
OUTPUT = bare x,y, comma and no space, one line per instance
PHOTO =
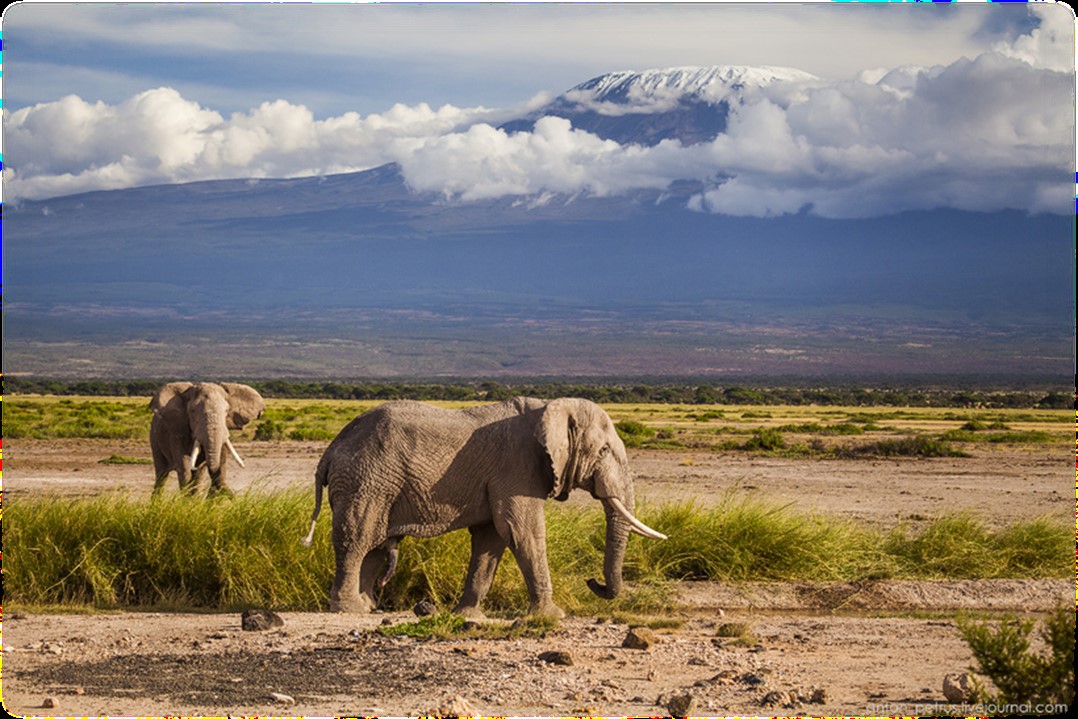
244,404
171,396
555,434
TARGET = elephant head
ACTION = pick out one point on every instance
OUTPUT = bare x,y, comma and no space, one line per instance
202,413
212,410
585,451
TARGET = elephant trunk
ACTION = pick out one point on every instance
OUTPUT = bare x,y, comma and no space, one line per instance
617,537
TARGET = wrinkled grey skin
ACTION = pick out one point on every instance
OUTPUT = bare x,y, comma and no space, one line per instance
410,469
187,414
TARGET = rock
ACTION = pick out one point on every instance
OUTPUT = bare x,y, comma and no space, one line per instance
957,688
680,705
458,706
639,638
560,658
425,609
387,622
779,698
470,626
281,698
259,620
817,696
48,703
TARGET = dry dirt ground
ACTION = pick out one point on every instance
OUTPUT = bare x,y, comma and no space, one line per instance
874,649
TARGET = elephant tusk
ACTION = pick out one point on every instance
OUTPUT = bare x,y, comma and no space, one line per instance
228,443
636,525
194,453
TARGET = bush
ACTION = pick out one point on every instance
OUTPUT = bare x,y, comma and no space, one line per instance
633,433
1023,676
268,430
767,440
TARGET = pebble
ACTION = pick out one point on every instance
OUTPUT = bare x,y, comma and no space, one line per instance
48,703
425,609
639,638
258,620
559,658
680,705
957,688
281,698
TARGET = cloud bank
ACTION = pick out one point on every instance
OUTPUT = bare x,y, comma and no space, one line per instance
984,134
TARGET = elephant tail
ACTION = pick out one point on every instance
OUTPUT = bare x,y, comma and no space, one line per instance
320,476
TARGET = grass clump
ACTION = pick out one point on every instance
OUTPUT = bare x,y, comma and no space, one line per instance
918,446
1023,676
764,440
633,433
121,459
176,551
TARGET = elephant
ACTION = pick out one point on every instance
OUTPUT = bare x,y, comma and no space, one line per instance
189,418
410,469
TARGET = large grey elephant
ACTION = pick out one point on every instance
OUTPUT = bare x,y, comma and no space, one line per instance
190,419
411,469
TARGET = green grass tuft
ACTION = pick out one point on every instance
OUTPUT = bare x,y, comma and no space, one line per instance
175,551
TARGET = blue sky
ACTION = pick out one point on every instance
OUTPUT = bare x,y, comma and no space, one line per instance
103,96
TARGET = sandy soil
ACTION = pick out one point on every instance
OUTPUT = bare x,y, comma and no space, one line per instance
873,649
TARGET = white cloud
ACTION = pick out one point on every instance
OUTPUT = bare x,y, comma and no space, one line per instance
983,134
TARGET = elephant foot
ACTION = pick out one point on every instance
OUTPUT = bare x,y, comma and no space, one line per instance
474,614
546,610
359,604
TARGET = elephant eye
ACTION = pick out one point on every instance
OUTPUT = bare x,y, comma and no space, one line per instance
605,450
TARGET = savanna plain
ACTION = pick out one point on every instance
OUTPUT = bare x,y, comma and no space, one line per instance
820,561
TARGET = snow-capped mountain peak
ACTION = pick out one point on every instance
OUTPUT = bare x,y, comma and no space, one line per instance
650,88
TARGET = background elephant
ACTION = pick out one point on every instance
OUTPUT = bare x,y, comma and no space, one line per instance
192,419
410,469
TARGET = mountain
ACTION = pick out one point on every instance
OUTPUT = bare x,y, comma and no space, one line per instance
358,275
689,104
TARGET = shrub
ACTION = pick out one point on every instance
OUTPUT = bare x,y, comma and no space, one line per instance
633,433
268,430
767,440
1023,676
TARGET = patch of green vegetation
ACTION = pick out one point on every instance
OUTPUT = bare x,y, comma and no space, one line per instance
64,419
1004,653
180,552
121,459
764,440
739,632
918,446
843,428
447,625
1035,436
632,432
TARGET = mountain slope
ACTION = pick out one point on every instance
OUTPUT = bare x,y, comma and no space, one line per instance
689,104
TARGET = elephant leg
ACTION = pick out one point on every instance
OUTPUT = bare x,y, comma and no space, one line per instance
352,543
369,572
217,481
188,475
525,534
161,470
487,550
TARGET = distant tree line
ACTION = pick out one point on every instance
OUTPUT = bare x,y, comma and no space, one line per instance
612,393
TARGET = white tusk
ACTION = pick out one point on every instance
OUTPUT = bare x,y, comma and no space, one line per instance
637,526
194,454
228,443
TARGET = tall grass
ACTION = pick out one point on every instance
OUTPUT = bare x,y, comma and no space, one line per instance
230,553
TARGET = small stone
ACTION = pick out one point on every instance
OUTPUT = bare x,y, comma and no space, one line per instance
259,620
639,638
48,703
818,696
78,691
281,698
680,705
778,698
470,626
425,609
386,621
458,706
957,688
559,658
